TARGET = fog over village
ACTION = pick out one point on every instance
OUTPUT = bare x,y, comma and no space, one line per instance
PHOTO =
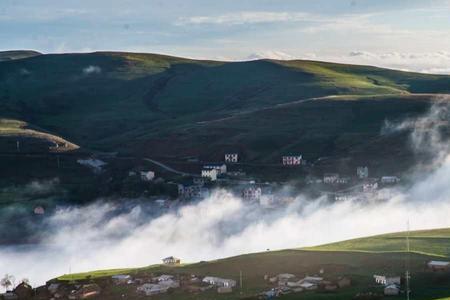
246,150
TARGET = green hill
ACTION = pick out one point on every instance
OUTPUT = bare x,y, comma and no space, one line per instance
156,105
358,259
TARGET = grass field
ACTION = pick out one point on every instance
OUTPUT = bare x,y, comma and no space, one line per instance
358,259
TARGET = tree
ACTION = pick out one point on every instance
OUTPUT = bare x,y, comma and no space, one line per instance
7,281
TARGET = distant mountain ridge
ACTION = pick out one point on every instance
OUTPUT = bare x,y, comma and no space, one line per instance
17,54
157,105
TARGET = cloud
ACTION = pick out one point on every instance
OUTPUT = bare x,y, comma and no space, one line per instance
247,17
278,55
92,70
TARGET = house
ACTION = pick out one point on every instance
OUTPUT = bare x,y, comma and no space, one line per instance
210,173
53,288
313,279
390,179
121,279
39,210
9,296
221,168
217,281
391,290
147,175
437,265
308,286
330,178
192,191
231,157
171,261
387,280
86,291
24,291
95,164
164,277
370,187
362,172
252,193
292,160
150,289
343,180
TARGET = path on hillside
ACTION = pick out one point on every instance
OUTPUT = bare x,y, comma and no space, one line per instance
169,169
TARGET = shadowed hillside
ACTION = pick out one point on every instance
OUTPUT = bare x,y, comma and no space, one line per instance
156,105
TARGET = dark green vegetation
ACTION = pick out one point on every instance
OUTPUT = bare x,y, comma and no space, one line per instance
155,105
360,262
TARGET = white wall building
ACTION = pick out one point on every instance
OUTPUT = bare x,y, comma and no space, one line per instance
292,160
252,193
210,173
390,179
362,172
147,175
231,157
221,168
330,178
217,281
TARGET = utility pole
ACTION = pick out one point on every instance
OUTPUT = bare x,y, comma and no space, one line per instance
240,280
18,146
407,275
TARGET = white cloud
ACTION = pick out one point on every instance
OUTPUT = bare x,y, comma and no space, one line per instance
278,55
92,70
248,17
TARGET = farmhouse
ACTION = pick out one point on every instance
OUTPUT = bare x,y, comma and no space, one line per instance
392,290
121,279
387,280
147,175
292,160
231,157
370,187
330,178
211,174
191,191
171,261
152,289
437,265
252,193
362,172
221,168
95,164
219,282
390,179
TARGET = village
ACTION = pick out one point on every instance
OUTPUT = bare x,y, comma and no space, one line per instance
150,285
198,180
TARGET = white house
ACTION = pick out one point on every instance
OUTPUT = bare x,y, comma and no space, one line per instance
391,290
171,260
210,173
292,160
164,277
192,191
436,265
121,279
330,178
152,289
362,172
147,175
370,187
390,179
231,157
217,281
252,193
221,168
95,164
387,280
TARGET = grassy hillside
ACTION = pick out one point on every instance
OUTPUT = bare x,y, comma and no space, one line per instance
158,105
338,260
431,242
17,54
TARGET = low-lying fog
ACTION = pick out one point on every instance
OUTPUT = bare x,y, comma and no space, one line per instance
104,235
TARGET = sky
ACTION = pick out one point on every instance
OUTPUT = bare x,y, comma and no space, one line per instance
408,35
